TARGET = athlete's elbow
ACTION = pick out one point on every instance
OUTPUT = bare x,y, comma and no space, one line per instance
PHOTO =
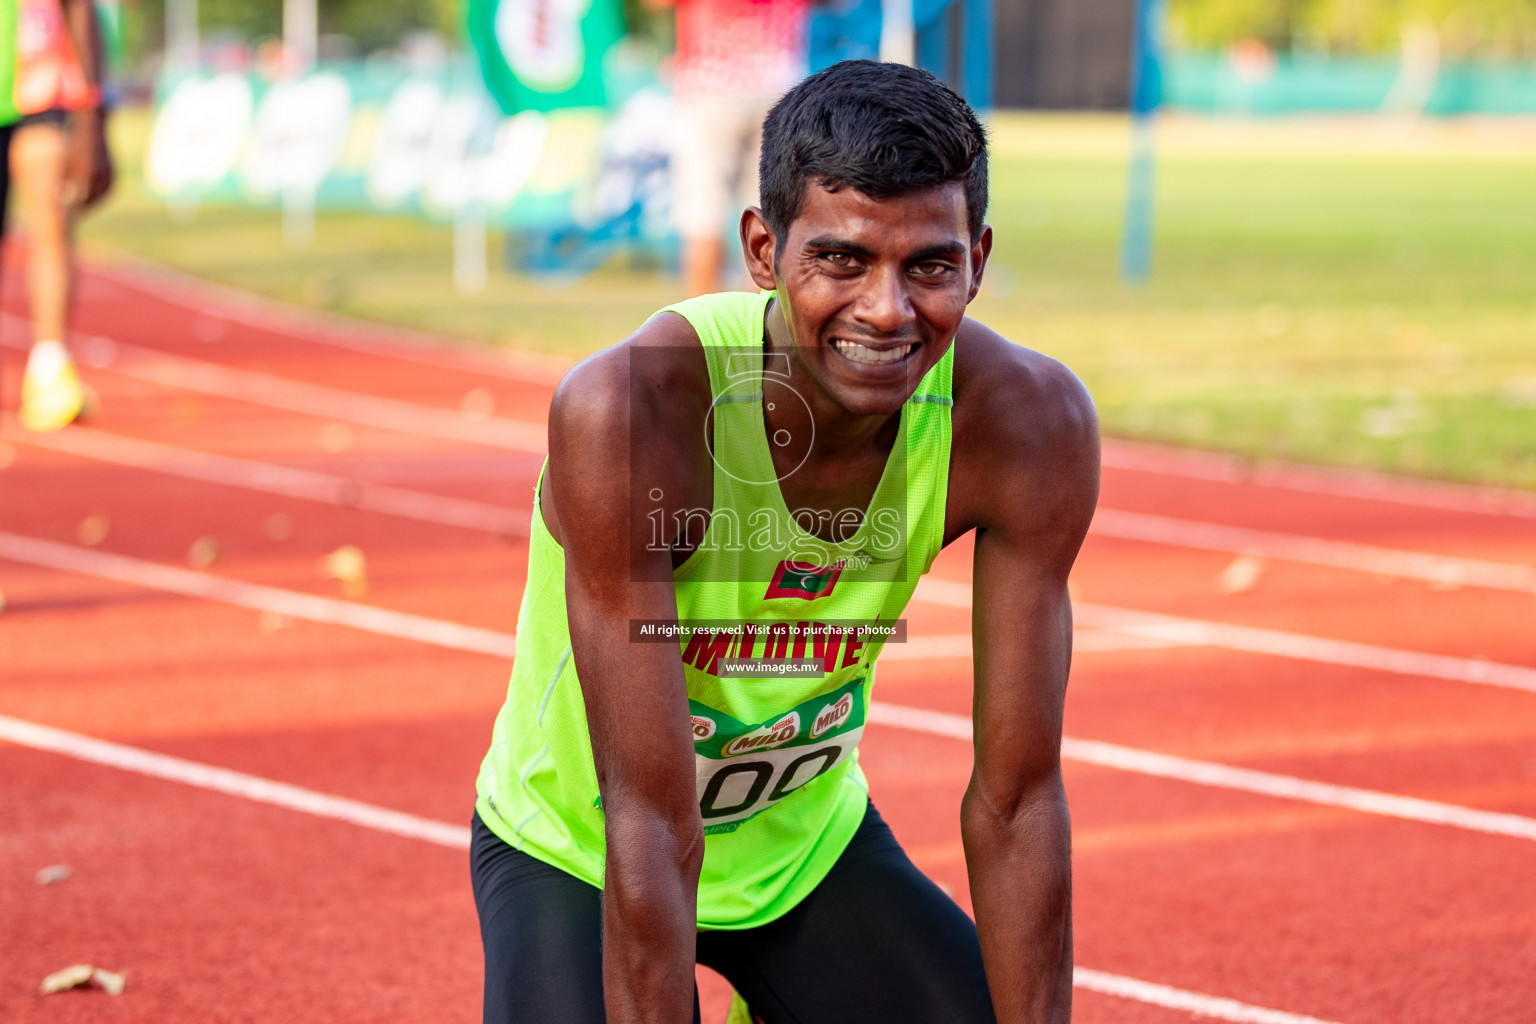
1029,810
655,837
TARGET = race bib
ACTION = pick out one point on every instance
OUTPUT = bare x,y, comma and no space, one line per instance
745,768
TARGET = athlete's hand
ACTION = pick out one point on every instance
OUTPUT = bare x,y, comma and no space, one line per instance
89,174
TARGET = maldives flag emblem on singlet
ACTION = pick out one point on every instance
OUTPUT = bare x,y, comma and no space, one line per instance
798,579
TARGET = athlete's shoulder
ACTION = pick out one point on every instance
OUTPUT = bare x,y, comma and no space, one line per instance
629,420
654,376
1022,421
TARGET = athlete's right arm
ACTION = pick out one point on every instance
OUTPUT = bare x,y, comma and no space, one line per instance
622,426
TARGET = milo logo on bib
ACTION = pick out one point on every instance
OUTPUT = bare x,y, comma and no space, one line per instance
832,716
766,737
744,768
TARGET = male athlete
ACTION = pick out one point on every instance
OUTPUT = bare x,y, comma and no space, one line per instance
643,807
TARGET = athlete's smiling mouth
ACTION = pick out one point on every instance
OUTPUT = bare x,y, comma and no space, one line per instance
871,355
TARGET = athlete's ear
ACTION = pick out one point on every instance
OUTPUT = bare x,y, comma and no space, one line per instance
758,247
981,249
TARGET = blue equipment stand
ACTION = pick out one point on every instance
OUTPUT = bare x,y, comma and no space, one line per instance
1146,96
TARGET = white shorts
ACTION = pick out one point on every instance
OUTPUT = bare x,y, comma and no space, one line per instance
714,161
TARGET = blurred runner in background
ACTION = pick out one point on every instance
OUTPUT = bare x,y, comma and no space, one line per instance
54,143
734,59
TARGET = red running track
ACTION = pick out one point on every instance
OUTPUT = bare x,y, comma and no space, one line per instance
230,420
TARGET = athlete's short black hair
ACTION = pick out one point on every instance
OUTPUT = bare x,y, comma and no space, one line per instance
883,129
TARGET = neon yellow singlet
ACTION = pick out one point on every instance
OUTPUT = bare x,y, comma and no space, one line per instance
779,786
10,15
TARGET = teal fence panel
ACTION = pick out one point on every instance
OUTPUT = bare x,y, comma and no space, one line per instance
1217,83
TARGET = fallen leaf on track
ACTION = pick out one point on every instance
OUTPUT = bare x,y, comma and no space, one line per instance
203,552
81,975
348,565
93,530
111,982
72,976
1241,576
478,405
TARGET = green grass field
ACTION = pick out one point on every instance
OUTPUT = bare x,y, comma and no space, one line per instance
1350,292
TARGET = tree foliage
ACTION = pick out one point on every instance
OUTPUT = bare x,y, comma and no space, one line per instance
370,24
1466,28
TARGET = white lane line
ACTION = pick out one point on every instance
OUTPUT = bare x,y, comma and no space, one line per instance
319,400
1208,773
483,641
1253,640
1439,569
274,479
156,576
438,632
1181,999
308,325
1309,648
1095,641
958,645
382,819
232,783
327,402
1338,483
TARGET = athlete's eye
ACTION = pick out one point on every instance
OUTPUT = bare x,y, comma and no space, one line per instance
838,259
931,269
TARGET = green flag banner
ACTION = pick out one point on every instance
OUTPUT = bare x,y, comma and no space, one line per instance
544,54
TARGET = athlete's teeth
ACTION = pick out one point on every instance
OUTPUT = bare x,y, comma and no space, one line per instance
864,354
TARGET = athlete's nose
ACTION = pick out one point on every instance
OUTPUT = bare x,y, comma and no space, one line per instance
884,305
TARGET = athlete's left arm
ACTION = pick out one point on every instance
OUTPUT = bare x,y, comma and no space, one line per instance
89,174
1027,451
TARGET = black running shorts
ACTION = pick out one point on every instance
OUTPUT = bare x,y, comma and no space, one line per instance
875,941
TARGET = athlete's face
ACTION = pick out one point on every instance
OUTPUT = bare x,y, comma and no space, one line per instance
870,291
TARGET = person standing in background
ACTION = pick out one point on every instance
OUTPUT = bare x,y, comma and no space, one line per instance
53,138
734,59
